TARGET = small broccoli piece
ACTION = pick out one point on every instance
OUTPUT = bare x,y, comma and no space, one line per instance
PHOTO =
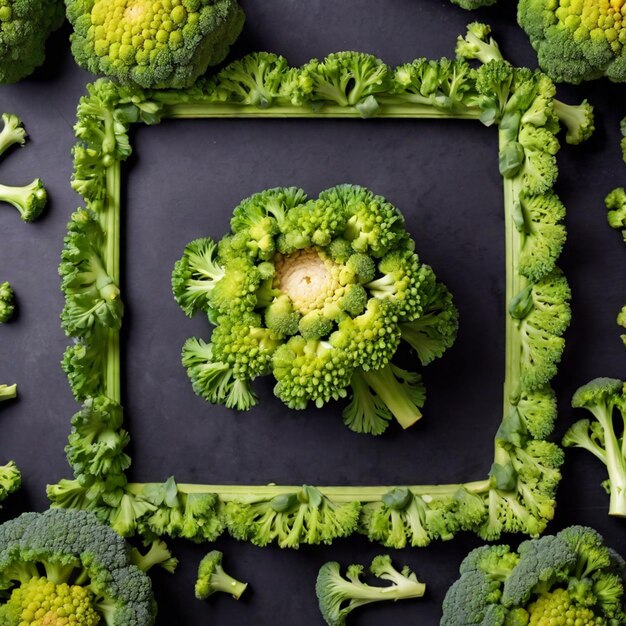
616,205
158,554
602,397
478,44
621,320
577,119
13,133
7,304
575,41
153,45
24,28
29,200
67,567
570,578
212,578
471,5
8,392
10,479
339,596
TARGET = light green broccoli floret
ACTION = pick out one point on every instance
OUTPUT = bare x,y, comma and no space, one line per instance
24,28
8,392
29,200
576,41
471,5
153,45
7,304
339,596
213,579
13,133
616,205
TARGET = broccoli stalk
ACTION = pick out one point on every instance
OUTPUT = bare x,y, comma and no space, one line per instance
339,596
213,579
602,397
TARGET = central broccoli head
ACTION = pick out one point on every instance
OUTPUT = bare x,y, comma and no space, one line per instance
319,293
153,44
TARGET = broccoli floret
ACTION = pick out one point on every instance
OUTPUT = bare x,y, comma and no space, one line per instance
59,555
24,28
616,205
621,320
7,304
212,578
158,554
10,479
603,397
478,44
570,578
8,392
29,200
152,45
471,5
317,292
339,596
13,133
577,119
575,41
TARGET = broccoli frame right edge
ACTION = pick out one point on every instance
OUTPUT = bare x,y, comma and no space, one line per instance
518,495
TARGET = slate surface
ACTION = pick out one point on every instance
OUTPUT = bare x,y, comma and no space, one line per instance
184,181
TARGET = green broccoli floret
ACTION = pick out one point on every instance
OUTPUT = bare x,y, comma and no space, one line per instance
24,28
621,320
212,578
570,578
318,293
471,5
13,133
29,200
616,205
576,41
577,119
478,44
339,596
7,304
67,567
157,555
10,479
153,45
603,397
8,392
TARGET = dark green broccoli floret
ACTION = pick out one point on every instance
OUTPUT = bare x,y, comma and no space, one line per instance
7,305
57,555
152,44
24,27
213,579
339,596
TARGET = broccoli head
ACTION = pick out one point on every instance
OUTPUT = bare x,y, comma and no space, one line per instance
153,44
212,578
65,567
576,41
320,294
7,305
338,596
569,578
24,28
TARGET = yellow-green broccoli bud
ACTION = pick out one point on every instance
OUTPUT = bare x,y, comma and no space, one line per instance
558,609
153,43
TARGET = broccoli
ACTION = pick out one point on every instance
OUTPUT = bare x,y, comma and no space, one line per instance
603,397
575,41
569,578
24,28
471,5
621,320
10,479
153,45
212,578
158,554
319,293
616,205
12,134
8,392
339,596
7,304
66,565
29,200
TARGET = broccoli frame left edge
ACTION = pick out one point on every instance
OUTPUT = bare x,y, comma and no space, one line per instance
518,494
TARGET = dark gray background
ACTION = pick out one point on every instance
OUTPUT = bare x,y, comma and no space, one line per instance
183,182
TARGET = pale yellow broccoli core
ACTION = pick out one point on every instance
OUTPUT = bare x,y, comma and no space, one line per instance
593,19
40,602
309,278
557,609
134,31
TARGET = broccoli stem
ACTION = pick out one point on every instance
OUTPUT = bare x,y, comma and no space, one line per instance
195,110
260,493
110,220
515,282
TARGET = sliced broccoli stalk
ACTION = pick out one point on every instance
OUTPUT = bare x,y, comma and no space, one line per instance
13,133
339,596
213,579
601,397
29,200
